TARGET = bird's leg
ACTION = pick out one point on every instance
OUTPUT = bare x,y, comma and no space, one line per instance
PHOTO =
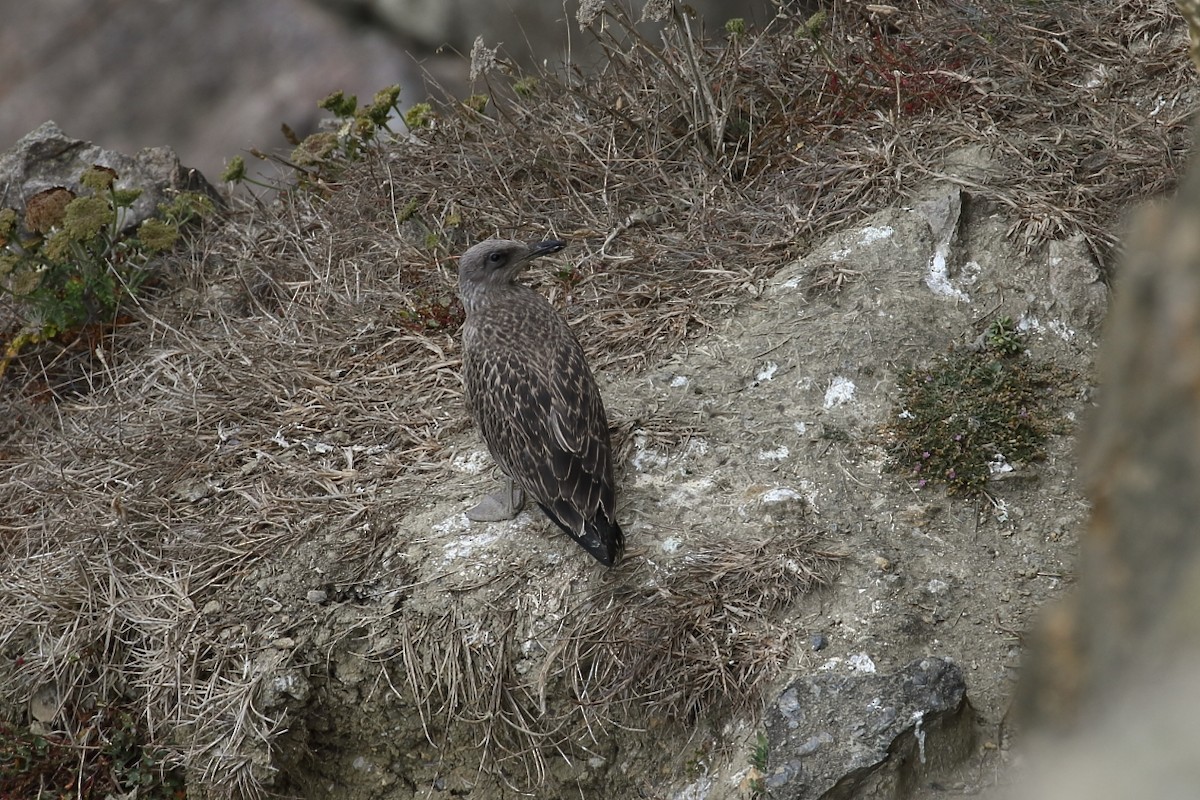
500,505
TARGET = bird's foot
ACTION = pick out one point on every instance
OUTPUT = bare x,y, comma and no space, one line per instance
498,506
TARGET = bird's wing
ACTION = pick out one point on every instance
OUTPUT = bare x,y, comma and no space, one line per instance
579,428
544,423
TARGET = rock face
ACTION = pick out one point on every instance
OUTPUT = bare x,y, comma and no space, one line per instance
866,735
46,158
209,78
530,28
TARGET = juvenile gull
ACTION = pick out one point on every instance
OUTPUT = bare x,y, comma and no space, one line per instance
530,391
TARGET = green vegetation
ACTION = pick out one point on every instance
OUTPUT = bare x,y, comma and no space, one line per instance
110,761
974,410
419,116
433,313
72,263
759,758
525,87
324,155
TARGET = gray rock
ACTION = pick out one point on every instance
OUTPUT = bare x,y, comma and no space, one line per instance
46,157
865,735
1076,286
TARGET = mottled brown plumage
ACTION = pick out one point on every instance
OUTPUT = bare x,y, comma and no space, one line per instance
530,391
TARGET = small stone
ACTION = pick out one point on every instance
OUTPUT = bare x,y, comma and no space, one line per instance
45,704
317,596
212,608
819,642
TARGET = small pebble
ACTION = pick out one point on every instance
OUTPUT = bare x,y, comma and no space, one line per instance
819,642
316,596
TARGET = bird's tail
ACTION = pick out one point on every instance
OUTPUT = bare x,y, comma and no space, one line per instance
601,537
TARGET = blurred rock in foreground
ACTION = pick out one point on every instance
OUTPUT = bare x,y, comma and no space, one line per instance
1113,681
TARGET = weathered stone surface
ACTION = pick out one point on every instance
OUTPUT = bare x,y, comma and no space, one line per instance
864,735
1078,290
47,157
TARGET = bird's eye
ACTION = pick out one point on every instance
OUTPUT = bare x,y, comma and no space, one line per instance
496,258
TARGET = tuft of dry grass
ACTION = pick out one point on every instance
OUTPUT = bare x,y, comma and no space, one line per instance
545,668
294,387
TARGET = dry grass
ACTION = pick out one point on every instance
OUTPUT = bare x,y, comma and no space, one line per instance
545,668
295,385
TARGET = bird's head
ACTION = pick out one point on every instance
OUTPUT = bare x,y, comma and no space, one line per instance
496,262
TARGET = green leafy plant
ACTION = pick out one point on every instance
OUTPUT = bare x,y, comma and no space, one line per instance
477,102
1003,337
359,127
323,155
72,262
975,411
759,759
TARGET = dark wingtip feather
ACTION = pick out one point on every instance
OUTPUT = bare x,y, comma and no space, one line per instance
608,539
602,538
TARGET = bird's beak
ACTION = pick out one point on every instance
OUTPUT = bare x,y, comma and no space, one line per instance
544,248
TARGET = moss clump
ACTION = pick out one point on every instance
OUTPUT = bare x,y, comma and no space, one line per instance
759,761
98,178
974,410
526,87
157,236
315,149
